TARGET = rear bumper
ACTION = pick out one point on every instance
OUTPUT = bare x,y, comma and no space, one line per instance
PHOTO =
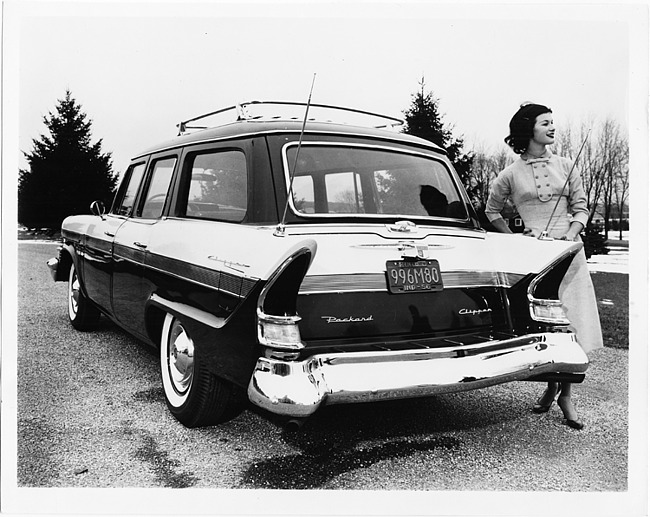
298,388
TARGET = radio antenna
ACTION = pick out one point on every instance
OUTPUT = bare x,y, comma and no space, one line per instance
280,228
544,235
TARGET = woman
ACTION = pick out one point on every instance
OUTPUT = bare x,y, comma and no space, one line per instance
533,183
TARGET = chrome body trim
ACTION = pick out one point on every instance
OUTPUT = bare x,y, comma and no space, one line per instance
367,282
187,310
299,388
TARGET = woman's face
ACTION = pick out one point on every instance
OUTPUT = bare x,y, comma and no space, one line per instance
544,130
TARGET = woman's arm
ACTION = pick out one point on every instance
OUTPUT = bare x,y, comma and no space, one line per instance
499,193
574,230
501,226
577,200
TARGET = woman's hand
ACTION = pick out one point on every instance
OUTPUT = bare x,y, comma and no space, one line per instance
529,232
573,231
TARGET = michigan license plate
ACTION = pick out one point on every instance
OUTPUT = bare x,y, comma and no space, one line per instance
406,276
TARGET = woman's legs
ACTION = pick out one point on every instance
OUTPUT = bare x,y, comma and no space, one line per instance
566,405
546,400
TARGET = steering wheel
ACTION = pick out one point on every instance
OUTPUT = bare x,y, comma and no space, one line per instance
193,208
152,198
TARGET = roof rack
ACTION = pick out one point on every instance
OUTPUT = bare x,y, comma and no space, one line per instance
243,114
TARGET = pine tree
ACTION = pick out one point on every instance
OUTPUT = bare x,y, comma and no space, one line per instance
66,170
424,120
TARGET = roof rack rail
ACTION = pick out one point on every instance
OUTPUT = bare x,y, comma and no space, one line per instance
242,114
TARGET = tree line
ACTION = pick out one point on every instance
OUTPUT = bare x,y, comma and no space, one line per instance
67,171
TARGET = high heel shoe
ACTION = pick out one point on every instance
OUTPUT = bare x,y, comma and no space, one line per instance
566,411
575,424
542,408
539,407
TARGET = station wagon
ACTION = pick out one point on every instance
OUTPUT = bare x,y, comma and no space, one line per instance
293,262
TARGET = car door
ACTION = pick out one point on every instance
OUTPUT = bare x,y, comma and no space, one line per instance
96,267
131,242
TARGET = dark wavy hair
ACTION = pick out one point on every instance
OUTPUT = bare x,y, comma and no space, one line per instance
522,124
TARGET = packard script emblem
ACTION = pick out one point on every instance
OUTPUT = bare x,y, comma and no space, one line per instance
348,319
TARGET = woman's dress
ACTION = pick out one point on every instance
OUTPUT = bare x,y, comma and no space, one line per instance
534,186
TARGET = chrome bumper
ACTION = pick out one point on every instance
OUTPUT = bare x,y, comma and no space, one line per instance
53,265
298,388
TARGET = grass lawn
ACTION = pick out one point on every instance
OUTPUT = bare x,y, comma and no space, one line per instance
613,304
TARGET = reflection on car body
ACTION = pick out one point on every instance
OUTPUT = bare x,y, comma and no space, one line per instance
295,267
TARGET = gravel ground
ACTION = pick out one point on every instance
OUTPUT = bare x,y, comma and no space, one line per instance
91,414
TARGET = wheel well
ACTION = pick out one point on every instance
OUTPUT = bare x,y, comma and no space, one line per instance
65,262
154,318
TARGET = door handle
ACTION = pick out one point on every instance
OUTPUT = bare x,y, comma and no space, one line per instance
140,245
109,234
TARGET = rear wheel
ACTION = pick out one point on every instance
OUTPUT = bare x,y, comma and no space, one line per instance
83,314
195,396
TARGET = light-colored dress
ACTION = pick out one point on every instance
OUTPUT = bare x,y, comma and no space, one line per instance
534,186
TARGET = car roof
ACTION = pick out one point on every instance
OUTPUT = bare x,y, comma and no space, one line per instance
253,128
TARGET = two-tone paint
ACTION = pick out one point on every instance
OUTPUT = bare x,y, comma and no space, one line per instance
324,281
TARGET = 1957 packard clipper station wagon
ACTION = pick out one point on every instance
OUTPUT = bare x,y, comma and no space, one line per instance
297,263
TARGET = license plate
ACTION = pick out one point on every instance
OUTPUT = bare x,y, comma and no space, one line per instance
406,276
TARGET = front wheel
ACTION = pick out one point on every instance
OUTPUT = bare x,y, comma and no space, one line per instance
83,314
195,396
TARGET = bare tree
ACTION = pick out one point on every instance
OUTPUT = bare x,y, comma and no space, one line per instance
589,163
621,174
485,168
613,150
603,164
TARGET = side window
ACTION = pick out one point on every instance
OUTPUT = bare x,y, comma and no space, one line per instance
128,190
218,186
156,194
344,194
303,194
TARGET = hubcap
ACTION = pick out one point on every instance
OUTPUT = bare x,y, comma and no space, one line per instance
180,358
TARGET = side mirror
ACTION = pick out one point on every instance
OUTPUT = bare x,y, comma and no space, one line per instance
98,208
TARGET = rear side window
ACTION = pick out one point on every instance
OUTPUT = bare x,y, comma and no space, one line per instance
218,187
125,199
157,188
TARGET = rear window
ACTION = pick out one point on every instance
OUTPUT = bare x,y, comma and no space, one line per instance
334,179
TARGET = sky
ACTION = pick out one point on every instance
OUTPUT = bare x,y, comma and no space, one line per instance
138,69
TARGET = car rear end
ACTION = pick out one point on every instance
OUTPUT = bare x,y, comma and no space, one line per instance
405,295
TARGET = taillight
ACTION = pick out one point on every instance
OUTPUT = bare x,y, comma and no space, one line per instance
279,332
277,320
548,311
543,297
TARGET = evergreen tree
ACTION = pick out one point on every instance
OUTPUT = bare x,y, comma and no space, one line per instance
423,120
66,170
